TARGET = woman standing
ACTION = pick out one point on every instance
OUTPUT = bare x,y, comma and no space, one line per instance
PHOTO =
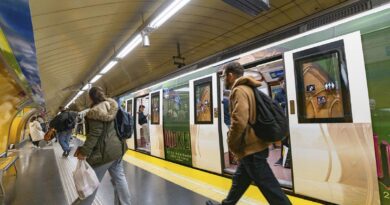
36,132
103,149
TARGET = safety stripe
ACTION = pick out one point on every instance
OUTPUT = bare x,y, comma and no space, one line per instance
209,185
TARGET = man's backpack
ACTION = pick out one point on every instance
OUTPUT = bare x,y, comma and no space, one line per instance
271,124
69,122
124,124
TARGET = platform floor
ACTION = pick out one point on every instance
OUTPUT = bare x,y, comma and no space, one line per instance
45,177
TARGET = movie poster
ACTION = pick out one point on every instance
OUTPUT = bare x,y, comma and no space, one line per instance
176,124
203,103
155,109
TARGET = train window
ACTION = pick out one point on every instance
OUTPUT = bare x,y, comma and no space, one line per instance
155,108
322,84
130,107
203,101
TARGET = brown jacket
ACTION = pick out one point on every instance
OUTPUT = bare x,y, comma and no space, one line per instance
242,140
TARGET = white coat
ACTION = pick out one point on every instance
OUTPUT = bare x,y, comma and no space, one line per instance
36,131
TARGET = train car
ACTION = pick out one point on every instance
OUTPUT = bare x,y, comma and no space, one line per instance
320,79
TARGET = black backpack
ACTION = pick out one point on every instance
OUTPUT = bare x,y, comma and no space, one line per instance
271,124
124,124
69,122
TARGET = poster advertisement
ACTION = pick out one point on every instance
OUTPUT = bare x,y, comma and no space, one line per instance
176,125
155,108
203,102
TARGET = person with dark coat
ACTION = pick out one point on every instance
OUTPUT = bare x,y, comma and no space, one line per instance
64,126
143,121
103,149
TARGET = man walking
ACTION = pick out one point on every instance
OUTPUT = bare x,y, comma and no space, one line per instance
250,150
64,123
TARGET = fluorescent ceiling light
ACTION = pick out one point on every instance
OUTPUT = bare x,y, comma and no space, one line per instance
80,93
145,40
108,67
130,46
87,86
96,78
167,13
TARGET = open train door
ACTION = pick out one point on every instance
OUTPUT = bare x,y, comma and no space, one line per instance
205,144
330,124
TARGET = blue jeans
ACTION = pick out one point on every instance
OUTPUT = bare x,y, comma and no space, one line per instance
255,168
118,180
64,138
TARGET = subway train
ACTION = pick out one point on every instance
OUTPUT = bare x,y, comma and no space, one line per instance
330,81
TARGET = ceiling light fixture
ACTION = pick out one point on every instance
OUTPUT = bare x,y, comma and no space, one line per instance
167,13
96,78
161,18
87,86
145,40
108,67
130,46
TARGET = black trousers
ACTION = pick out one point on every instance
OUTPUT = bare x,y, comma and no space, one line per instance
36,143
255,168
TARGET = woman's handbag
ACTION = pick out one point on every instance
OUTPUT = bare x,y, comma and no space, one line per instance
50,134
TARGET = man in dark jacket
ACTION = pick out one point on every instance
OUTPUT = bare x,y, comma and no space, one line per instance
143,121
64,123
243,142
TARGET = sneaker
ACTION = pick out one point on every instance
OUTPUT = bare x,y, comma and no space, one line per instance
209,202
279,162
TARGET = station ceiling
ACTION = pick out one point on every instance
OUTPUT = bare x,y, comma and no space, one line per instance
74,38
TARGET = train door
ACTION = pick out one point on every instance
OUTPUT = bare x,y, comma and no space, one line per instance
205,142
273,84
271,74
130,109
142,139
156,128
330,125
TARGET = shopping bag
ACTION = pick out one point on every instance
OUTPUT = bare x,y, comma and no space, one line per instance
85,179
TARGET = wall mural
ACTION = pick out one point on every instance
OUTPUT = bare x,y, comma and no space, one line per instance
15,21
9,102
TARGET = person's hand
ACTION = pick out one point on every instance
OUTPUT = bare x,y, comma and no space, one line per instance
79,155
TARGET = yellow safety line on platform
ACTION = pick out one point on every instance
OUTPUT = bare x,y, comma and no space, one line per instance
209,185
